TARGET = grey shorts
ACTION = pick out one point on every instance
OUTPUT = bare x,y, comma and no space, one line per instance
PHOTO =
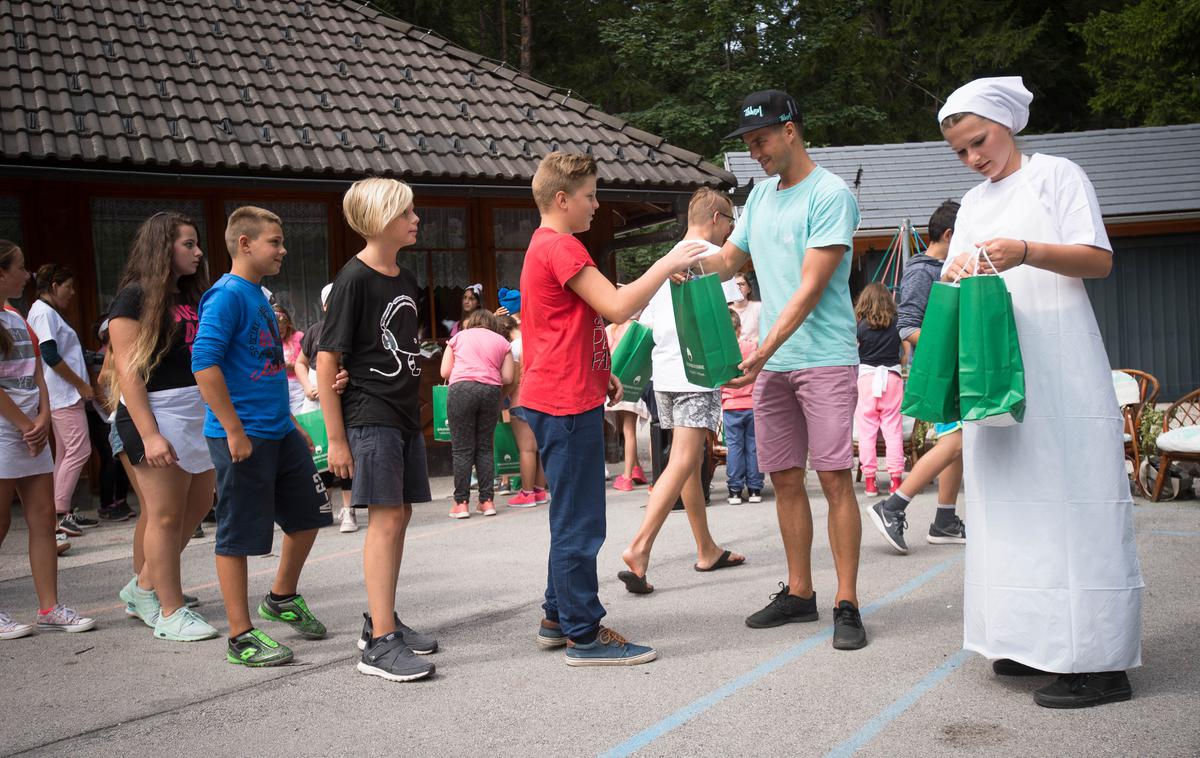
691,410
389,466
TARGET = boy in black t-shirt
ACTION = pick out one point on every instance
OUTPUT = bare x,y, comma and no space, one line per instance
374,428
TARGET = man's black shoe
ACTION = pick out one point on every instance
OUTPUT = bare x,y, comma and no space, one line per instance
1006,667
848,631
1084,690
784,609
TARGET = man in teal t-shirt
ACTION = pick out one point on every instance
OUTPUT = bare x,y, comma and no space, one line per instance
798,226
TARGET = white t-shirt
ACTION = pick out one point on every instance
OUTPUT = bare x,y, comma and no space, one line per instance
659,316
47,324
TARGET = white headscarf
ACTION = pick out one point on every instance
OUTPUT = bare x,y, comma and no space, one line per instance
1002,99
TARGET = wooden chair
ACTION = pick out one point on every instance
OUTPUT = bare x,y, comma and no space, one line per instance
1132,407
1183,412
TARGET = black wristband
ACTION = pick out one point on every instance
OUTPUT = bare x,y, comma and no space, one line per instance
1026,255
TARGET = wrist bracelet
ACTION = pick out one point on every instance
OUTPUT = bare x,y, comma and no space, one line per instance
1026,255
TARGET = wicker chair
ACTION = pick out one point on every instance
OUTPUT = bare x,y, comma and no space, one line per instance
1131,410
1183,412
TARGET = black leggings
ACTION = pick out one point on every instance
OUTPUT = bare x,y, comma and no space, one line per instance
473,410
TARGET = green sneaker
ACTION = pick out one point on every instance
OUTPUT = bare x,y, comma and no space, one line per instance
140,603
294,613
256,649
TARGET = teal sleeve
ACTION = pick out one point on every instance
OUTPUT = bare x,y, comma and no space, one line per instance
835,219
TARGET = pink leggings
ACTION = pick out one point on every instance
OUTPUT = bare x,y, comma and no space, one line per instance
880,414
71,452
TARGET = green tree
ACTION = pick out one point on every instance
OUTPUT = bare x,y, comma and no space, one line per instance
1144,61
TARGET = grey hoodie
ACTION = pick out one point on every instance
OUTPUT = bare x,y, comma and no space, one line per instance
920,273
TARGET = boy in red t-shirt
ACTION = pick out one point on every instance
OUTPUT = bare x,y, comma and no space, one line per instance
564,302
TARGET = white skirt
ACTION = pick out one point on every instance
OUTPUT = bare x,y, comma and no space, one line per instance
15,460
179,413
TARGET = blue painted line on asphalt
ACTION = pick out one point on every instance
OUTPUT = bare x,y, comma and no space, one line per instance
699,706
1168,533
876,725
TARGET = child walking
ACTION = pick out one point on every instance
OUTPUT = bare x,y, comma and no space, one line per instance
265,472
567,373
477,363
533,477
880,386
371,327
25,464
737,416
627,412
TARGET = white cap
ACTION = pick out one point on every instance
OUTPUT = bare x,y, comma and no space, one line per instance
1003,99
325,293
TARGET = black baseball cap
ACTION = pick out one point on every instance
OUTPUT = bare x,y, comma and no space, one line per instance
767,107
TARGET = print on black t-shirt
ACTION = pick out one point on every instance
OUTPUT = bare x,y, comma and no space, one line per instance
175,368
372,322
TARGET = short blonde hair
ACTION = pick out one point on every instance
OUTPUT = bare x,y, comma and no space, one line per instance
705,202
560,172
248,220
371,204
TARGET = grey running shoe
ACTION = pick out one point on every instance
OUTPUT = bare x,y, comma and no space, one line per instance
891,524
954,533
391,659
420,644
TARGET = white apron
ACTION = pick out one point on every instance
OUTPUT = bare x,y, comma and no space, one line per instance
1052,575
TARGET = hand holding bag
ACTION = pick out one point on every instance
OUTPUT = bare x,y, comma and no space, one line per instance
991,373
706,339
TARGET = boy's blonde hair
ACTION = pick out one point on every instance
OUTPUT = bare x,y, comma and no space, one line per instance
371,204
705,202
560,172
250,221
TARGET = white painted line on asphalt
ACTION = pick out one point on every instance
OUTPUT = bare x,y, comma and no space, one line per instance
893,711
699,706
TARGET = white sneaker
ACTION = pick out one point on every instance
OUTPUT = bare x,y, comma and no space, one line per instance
755,497
184,625
64,619
349,521
10,630
61,543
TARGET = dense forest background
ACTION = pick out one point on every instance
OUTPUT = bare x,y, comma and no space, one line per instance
864,72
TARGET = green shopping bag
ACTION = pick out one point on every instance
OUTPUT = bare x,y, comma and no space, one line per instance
931,392
706,339
314,423
441,421
991,374
505,453
631,360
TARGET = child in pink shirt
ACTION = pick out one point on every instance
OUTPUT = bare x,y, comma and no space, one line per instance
737,416
477,363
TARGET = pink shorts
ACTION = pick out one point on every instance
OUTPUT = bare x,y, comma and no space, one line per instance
806,416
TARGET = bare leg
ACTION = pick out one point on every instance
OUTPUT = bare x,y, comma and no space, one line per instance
139,530
947,451
527,445
796,528
37,501
845,530
296,547
383,551
629,430
231,572
163,513
199,503
7,488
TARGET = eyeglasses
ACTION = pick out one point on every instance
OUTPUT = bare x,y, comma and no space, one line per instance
726,215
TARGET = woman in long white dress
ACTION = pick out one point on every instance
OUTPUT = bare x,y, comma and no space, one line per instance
1053,584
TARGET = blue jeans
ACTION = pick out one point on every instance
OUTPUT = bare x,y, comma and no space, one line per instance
741,457
572,450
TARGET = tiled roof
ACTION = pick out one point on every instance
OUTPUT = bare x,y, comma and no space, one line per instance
1150,170
283,87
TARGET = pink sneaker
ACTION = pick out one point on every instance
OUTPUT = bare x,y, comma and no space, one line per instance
523,499
461,510
541,496
639,476
487,508
871,486
895,485
623,483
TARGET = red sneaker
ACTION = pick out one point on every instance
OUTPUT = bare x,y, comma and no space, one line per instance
487,508
541,496
623,483
461,510
639,476
895,485
523,499
870,485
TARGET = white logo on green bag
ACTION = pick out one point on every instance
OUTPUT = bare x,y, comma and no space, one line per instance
689,354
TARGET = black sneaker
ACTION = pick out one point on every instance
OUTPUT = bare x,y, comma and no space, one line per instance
198,532
420,644
211,518
891,524
784,609
116,512
69,527
954,533
1008,667
390,658
848,631
735,497
84,521
1084,690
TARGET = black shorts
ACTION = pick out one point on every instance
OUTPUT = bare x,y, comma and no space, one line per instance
389,466
277,484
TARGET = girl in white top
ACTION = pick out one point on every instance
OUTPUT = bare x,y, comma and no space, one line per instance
66,378
747,309
25,463
1053,583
